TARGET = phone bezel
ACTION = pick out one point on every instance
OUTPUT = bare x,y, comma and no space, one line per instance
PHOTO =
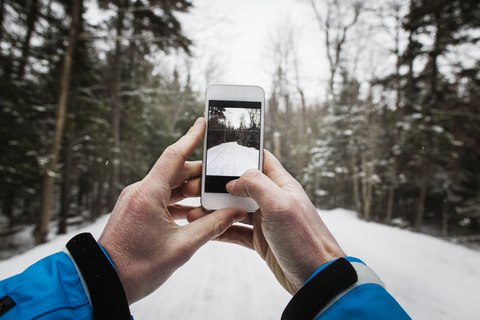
228,92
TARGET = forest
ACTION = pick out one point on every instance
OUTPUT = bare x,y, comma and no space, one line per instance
241,125
394,134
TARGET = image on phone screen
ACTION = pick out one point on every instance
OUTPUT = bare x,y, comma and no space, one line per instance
233,142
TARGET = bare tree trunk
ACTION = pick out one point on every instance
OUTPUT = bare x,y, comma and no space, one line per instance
369,193
335,39
368,169
423,195
116,110
396,6
356,187
99,205
62,223
364,180
391,198
369,180
41,230
445,219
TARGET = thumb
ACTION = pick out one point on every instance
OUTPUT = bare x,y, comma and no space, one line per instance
212,225
258,186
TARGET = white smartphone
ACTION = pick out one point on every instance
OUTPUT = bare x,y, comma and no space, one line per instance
233,142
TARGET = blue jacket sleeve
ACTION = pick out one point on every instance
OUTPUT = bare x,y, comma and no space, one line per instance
80,283
344,289
49,289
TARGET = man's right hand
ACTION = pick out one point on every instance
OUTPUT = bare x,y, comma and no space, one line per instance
287,231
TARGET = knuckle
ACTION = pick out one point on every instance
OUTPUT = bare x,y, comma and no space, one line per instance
174,151
126,192
139,201
217,227
252,174
251,178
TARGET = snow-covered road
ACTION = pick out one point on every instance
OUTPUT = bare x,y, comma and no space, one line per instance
231,159
221,281
431,278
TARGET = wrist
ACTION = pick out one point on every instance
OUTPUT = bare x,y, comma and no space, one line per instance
104,287
322,267
321,255
334,278
327,285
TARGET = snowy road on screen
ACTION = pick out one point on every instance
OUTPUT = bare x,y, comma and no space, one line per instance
231,159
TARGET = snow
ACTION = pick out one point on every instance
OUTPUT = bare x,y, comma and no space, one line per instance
430,278
231,159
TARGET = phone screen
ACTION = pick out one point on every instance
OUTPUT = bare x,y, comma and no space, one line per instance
233,142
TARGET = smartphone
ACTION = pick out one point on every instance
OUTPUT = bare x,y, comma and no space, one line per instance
233,142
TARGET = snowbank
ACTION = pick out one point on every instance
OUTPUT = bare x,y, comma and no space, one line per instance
431,278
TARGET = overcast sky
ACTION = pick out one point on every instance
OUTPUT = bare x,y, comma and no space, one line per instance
236,115
237,36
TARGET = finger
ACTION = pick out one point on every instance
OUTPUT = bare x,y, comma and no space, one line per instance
200,212
171,162
211,226
190,170
275,171
196,214
192,188
248,220
189,189
260,244
238,235
178,212
256,185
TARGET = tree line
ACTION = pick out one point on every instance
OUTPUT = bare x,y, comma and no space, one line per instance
395,135
83,110
246,133
397,138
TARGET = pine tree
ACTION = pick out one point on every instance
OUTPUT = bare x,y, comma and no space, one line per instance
152,25
42,227
430,135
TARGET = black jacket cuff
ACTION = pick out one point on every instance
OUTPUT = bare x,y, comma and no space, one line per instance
317,293
106,291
